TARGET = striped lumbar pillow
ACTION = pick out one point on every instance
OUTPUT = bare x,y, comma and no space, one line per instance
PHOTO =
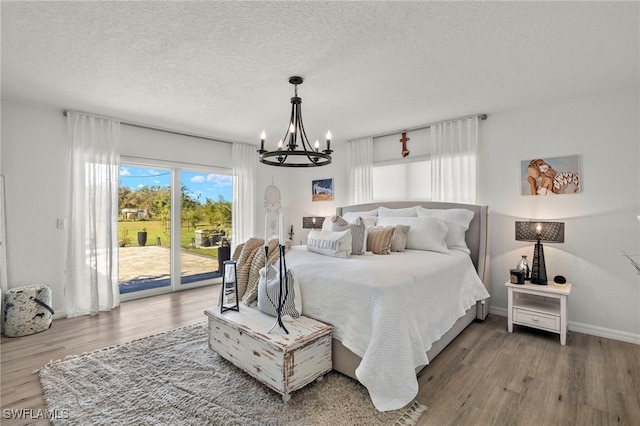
379,239
358,233
269,291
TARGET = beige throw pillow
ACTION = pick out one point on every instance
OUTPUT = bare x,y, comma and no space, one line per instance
379,239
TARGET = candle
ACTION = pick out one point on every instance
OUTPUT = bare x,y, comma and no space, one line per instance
266,227
263,137
539,228
317,145
281,229
280,145
329,140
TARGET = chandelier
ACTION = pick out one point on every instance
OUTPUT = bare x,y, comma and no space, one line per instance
290,155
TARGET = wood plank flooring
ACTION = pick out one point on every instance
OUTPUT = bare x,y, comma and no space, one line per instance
486,376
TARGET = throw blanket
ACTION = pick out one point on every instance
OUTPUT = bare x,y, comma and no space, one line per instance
250,258
387,309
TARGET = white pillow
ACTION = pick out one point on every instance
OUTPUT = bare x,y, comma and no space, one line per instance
457,220
426,233
327,225
370,221
406,212
351,216
335,244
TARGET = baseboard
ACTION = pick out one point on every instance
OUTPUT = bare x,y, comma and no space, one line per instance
60,314
592,330
604,332
496,310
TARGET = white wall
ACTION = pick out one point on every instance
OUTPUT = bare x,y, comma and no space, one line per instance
600,222
35,165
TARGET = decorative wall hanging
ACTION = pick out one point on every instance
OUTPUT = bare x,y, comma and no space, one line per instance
272,205
322,190
551,176
403,140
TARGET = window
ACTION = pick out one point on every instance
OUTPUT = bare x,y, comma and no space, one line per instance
171,225
402,181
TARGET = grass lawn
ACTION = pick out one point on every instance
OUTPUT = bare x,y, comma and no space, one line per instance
155,229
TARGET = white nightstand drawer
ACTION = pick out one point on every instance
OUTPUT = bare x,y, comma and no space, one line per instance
536,319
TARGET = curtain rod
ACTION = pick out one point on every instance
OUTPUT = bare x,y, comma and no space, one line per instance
148,127
424,126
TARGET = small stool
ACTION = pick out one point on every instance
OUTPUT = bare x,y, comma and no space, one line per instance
27,310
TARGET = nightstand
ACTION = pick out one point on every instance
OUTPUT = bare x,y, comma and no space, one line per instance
539,306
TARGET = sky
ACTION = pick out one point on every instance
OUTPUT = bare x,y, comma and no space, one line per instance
201,185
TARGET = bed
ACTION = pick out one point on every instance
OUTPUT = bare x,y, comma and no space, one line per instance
404,328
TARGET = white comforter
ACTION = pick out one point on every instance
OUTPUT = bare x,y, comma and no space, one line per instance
387,309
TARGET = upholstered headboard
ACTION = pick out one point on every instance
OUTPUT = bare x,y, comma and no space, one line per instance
477,236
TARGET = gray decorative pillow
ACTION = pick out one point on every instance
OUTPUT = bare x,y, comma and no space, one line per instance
399,238
358,232
269,291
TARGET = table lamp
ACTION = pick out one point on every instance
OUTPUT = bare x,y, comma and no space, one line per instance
312,222
548,232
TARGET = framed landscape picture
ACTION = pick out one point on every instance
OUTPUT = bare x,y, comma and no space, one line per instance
551,176
322,190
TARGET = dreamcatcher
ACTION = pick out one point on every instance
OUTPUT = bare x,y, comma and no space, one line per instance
272,204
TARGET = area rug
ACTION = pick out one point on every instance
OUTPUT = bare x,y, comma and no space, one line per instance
174,378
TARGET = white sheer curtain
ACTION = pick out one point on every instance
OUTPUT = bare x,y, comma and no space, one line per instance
243,204
360,167
92,247
453,160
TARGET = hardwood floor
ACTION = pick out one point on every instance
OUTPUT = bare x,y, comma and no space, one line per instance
486,376
23,356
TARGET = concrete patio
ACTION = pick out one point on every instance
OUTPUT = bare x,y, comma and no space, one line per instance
153,262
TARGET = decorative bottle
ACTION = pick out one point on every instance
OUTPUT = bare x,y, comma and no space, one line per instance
523,266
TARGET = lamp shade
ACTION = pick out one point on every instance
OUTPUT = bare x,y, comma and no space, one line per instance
312,222
546,232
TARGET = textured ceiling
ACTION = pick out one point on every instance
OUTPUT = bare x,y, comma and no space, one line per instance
221,68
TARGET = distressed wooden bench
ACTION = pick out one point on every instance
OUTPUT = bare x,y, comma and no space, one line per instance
283,362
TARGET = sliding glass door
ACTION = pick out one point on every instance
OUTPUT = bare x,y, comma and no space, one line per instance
144,228
173,225
205,216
